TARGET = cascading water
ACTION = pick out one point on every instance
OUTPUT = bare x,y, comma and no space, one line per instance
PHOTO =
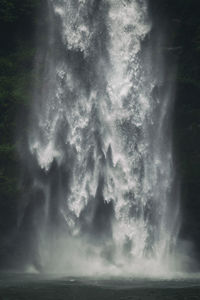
100,141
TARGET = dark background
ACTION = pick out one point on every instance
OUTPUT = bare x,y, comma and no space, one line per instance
19,22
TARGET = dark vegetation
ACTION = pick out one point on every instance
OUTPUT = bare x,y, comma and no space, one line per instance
18,23
17,48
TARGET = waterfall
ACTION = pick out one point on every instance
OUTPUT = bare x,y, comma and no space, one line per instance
100,141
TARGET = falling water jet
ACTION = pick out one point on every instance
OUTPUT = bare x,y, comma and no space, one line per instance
100,136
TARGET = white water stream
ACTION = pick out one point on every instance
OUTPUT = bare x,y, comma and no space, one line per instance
101,135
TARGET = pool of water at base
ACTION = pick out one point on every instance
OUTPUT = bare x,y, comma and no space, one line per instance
15,286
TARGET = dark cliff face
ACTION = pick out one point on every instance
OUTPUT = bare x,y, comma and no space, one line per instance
182,21
18,21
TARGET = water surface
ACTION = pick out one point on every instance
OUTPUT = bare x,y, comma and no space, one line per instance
22,287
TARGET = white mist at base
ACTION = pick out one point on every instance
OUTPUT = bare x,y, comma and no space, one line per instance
100,140
83,260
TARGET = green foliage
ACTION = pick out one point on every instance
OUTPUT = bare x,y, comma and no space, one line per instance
12,10
7,11
17,23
